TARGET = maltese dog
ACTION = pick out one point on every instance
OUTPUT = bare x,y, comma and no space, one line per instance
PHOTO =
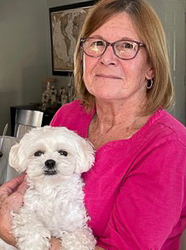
53,158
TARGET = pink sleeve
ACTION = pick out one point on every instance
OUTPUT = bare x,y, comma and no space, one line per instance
59,117
149,204
67,114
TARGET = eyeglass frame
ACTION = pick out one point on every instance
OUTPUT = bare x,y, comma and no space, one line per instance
139,44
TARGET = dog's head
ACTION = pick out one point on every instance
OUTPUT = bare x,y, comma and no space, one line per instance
51,151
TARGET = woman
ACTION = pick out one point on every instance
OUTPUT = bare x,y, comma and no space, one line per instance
135,190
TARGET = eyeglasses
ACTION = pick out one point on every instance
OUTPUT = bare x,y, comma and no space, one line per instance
124,49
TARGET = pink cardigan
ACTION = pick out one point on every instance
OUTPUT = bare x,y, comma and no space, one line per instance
135,192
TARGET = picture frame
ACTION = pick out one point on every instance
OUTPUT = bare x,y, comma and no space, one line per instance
65,24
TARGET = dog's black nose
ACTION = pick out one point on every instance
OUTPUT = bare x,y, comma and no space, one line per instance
50,163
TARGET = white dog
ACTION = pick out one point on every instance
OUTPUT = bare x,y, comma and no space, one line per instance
53,158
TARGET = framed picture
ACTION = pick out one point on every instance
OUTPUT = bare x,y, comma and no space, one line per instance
65,24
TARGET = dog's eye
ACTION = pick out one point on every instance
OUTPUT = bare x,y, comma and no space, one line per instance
63,152
38,153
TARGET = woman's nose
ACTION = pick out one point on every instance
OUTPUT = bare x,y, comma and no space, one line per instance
109,58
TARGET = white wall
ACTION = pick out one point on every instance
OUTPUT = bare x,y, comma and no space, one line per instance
23,54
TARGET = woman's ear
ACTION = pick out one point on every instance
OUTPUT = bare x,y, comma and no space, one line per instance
150,73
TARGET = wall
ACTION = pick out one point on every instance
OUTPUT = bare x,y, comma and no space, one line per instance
172,15
23,57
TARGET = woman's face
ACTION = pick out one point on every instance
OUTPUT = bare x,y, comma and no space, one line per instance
111,78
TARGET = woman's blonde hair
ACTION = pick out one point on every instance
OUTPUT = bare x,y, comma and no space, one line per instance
151,34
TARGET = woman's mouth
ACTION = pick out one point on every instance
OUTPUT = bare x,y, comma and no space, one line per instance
108,76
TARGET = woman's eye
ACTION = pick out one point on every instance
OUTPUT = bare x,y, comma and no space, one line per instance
38,153
98,43
128,46
63,152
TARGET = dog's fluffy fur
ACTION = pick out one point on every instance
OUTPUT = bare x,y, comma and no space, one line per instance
53,158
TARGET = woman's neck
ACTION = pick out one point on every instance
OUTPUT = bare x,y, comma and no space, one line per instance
115,121
116,114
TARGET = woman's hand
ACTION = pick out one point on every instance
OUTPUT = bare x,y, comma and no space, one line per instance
56,245
11,199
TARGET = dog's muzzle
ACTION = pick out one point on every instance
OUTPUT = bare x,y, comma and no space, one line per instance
50,167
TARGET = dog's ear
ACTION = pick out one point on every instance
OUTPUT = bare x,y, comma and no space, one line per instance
14,158
85,156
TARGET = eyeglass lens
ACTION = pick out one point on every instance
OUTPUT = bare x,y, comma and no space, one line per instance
96,47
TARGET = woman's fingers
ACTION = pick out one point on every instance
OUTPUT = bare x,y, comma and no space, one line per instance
10,186
15,200
11,199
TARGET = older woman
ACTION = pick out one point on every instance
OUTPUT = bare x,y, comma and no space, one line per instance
135,190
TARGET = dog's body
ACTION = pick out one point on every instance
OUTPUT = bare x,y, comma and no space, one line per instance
54,201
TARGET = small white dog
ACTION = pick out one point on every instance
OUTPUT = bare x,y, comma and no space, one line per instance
53,158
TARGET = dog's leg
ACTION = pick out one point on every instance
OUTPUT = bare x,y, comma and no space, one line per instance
80,239
29,232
